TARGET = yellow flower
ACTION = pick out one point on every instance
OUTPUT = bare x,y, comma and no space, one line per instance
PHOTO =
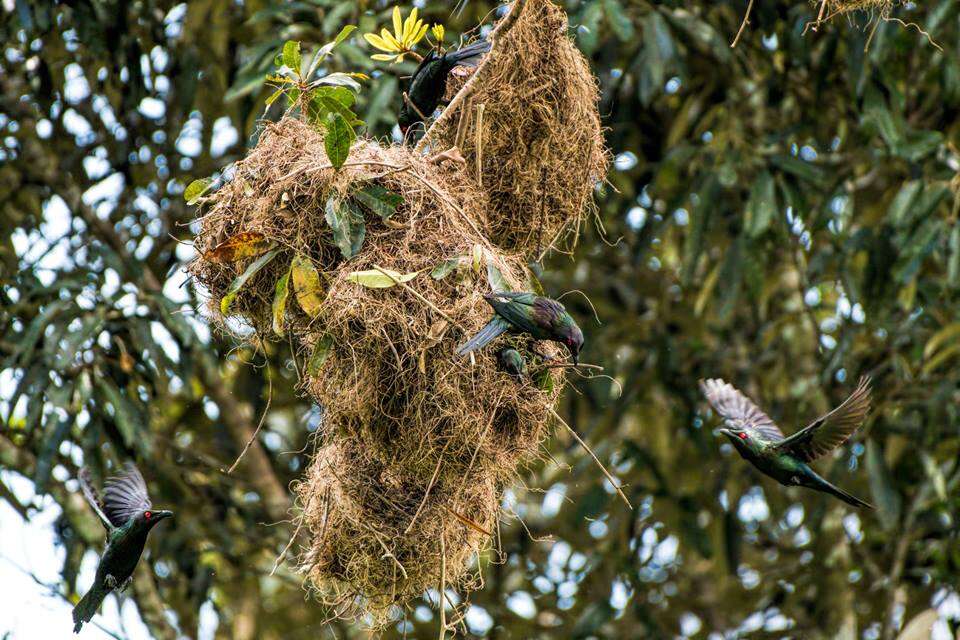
437,31
406,34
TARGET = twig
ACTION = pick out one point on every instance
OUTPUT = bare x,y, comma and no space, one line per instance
502,27
406,98
585,297
743,25
417,294
357,163
467,522
426,494
276,563
907,25
478,143
263,418
587,448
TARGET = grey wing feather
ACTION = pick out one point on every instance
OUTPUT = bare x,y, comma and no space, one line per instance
738,410
829,431
125,495
93,498
491,330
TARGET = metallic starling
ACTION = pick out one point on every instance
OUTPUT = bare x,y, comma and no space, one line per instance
510,361
126,513
430,80
542,318
785,459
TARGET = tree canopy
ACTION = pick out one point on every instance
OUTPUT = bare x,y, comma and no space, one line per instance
782,214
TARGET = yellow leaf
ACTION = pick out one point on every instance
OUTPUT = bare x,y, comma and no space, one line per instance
393,42
477,257
377,42
384,57
306,284
438,32
422,32
377,279
280,303
397,22
407,27
242,245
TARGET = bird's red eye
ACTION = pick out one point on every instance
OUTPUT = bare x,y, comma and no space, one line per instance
147,515
742,436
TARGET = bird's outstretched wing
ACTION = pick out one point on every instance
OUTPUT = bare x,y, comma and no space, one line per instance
738,409
125,495
829,431
90,493
491,330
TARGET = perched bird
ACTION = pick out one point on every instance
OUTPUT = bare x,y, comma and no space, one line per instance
785,459
542,318
429,81
127,514
512,362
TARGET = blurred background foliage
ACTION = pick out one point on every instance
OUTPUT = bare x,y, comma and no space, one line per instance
782,214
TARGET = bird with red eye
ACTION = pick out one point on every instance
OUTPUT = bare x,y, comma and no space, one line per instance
127,514
785,458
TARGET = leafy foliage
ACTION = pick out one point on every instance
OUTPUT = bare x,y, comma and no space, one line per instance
783,214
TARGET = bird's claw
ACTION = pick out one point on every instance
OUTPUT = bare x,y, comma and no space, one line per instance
110,581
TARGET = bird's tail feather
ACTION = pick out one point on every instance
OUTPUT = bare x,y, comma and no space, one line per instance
87,607
491,330
468,55
843,495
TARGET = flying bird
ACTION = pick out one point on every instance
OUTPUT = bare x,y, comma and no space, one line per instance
128,516
429,81
512,362
542,318
785,459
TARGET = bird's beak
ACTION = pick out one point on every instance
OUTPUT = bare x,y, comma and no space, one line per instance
726,432
160,515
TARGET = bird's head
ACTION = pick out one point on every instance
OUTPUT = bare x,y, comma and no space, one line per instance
405,119
149,518
738,435
573,338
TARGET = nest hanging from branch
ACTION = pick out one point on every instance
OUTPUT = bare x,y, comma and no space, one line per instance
416,442
528,126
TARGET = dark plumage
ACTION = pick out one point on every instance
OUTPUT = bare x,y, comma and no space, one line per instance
430,80
760,441
127,515
542,318
510,361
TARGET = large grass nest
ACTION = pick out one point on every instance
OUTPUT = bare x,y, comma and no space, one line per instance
416,442
401,412
528,125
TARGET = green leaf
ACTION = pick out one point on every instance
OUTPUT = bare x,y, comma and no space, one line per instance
762,206
899,209
346,222
307,285
242,279
322,106
291,55
339,137
342,95
196,189
321,351
378,200
444,269
376,279
619,21
281,291
337,79
533,280
885,495
495,277
344,34
273,97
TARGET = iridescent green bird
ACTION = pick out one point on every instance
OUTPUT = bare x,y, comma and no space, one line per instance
760,441
510,361
542,318
127,514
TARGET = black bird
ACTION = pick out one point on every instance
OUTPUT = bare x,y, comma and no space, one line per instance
760,441
510,361
429,81
127,514
542,318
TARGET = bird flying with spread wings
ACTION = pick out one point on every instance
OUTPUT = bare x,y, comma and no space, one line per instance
785,458
128,516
